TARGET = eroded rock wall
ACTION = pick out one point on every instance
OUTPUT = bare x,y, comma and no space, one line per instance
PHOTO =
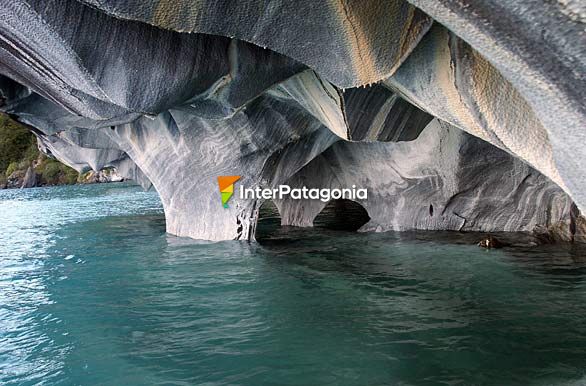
444,180
348,42
540,49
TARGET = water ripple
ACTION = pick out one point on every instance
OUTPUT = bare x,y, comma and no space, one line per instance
93,292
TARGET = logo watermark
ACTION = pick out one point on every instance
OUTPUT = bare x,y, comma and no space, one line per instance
304,193
226,184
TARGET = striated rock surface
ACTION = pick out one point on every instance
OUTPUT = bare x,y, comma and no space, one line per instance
540,49
455,115
30,178
445,179
348,42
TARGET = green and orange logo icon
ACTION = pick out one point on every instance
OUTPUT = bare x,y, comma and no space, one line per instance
226,184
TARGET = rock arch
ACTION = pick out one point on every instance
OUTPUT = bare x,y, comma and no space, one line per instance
341,214
109,83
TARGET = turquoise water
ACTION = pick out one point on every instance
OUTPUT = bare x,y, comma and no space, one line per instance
92,291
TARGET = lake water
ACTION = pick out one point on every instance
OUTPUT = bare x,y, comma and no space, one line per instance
92,291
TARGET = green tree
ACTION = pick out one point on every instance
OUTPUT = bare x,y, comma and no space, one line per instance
18,149
16,143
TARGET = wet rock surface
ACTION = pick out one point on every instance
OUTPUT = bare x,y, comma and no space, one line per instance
490,242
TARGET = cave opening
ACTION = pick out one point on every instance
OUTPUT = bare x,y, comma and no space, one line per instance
337,215
269,220
342,215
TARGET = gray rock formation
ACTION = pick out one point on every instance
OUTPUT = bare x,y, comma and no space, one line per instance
346,42
445,179
30,178
14,180
455,115
103,176
450,80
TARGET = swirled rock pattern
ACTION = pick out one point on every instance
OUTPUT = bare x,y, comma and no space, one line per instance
347,41
455,115
445,179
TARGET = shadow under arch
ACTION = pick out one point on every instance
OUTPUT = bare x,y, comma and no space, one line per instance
342,215
337,215
269,220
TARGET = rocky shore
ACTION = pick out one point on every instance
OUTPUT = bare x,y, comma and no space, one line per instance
24,165
30,178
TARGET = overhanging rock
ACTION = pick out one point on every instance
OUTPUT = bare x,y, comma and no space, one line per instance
175,93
